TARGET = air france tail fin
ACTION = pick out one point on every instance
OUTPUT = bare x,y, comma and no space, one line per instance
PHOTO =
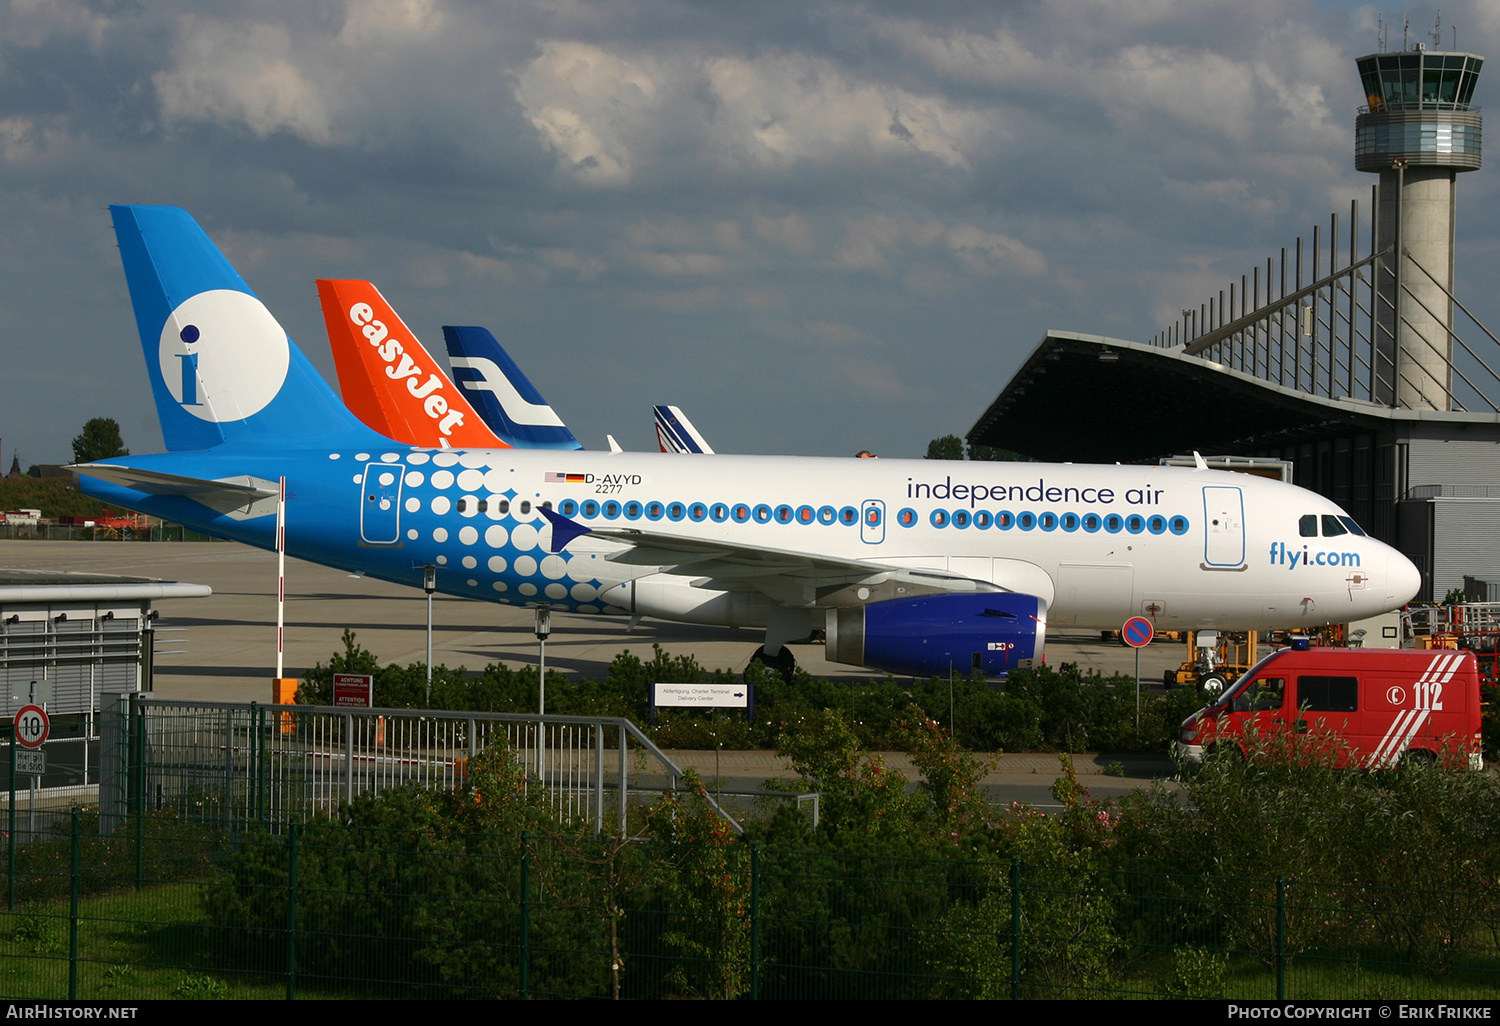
222,369
675,433
389,379
509,404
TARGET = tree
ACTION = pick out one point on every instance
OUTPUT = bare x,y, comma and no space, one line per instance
100,440
992,454
949,447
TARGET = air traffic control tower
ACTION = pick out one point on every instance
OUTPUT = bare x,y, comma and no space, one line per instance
1417,132
1349,355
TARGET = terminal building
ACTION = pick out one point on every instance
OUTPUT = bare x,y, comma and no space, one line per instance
1348,355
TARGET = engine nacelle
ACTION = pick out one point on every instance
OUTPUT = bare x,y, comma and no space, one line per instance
925,636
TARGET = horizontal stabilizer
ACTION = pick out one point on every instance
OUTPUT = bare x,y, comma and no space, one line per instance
240,497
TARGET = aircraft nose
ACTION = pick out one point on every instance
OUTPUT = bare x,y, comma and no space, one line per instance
1403,579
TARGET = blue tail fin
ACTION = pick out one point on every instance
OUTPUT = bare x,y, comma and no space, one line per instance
222,369
495,386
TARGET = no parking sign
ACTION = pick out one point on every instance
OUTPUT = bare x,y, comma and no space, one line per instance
1137,632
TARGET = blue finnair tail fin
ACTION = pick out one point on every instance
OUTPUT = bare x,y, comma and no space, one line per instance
222,369
675,433
495,386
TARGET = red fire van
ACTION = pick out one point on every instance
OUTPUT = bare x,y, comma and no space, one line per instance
1370,707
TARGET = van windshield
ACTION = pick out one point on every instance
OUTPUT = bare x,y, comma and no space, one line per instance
1240,685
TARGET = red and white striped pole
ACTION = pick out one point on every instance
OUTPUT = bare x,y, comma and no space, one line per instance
283,690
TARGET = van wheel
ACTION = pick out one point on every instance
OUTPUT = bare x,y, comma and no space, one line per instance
1212,686
1231,753
1418,757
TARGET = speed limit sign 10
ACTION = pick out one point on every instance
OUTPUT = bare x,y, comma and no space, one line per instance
32,726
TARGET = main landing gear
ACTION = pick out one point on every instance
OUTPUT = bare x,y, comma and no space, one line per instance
782,662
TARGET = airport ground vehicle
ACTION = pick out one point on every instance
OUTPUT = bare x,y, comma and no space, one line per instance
1366,707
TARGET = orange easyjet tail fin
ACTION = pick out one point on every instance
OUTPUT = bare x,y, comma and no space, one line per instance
388,378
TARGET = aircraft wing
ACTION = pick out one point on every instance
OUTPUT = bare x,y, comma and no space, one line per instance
792,578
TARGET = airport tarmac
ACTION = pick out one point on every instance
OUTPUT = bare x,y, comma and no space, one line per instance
223,647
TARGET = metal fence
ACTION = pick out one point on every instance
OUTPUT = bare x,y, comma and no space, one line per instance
245,763
75,532
328,911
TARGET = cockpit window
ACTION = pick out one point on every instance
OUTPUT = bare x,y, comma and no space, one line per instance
1332,528
1353,527
1307,526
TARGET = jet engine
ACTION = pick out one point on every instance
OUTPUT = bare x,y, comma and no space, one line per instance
926,636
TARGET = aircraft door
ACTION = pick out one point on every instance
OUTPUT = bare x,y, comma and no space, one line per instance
380,504
1224,524
872,521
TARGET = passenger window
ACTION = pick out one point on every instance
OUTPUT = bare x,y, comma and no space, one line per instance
1332,528
1308,526
1328,694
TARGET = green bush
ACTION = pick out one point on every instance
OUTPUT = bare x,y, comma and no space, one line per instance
1043,709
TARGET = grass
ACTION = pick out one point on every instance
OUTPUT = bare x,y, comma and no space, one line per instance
157,944
150,944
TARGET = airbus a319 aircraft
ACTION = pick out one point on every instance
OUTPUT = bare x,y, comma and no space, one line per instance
910,566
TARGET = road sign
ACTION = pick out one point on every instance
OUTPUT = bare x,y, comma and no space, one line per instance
353,689
731,696
724,696
32,726
31,763
31,691
1137,632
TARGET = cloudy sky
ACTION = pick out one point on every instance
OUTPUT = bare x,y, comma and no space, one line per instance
816,225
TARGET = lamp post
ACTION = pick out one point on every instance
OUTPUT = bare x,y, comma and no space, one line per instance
543,628
429,585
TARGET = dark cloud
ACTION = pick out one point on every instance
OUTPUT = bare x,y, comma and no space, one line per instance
817,227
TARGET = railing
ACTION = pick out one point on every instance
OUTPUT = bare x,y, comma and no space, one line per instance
1401,108
244,763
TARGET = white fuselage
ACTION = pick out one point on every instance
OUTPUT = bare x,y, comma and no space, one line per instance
1187,548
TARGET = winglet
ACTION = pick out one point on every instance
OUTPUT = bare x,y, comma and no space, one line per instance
1199,463
563,529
